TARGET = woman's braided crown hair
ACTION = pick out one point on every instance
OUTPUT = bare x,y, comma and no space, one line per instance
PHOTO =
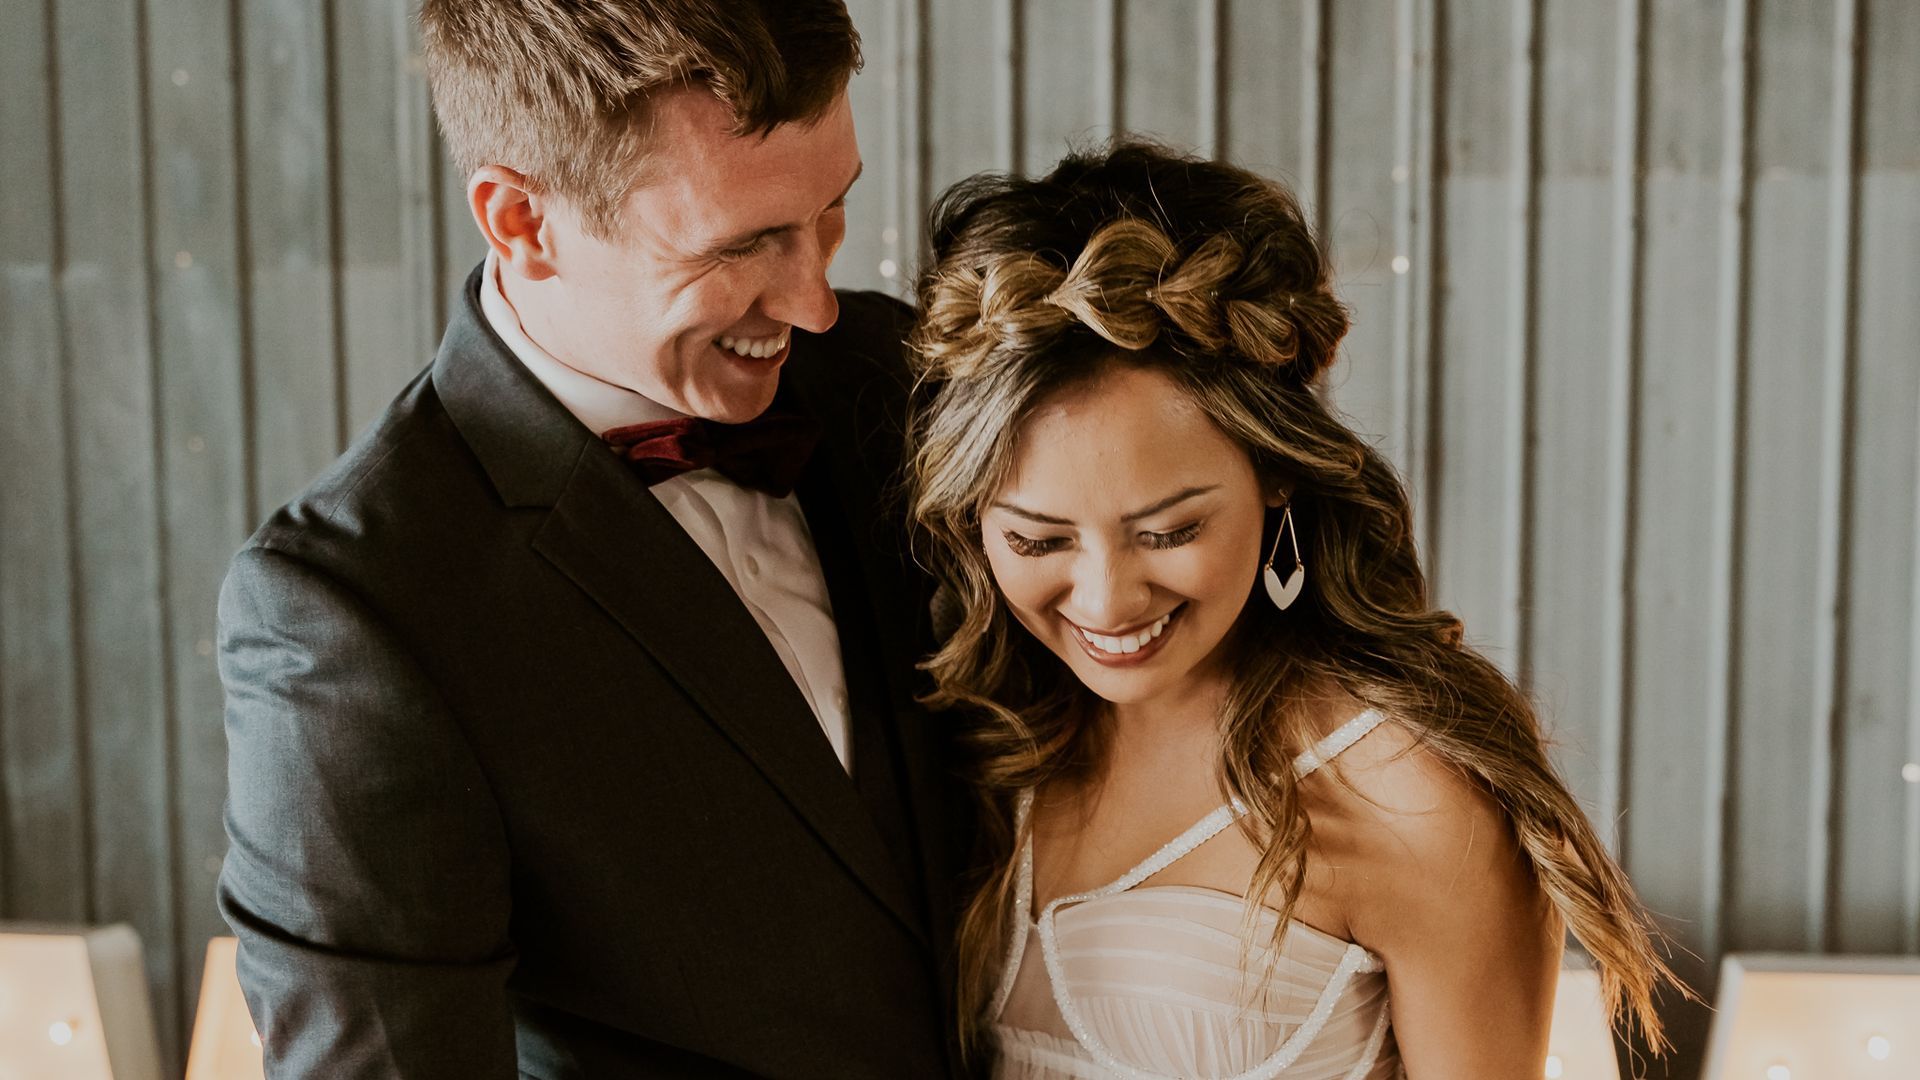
1254,287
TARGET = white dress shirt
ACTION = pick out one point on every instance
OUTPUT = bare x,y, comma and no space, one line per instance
760,544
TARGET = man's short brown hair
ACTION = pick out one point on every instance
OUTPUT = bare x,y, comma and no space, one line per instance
557,89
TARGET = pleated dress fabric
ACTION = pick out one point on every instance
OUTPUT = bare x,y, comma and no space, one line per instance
1176,981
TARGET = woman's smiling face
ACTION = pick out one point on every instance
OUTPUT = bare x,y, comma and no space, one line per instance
1127,536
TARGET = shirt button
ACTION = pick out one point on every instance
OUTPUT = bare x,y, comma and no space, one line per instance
753,566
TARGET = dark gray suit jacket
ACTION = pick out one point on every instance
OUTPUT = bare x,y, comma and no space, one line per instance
516,782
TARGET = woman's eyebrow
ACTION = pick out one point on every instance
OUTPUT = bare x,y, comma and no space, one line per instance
1167,503
1170,502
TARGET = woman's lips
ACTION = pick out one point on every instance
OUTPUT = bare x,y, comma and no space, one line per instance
1112,650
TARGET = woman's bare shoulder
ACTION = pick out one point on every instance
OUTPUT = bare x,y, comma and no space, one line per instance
1412,838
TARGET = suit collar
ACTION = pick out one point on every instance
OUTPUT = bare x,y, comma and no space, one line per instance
525,439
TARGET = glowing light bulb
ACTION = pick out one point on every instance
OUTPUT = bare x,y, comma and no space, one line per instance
1878,1048
1779,1072
1910,772
1554,1068
60,1032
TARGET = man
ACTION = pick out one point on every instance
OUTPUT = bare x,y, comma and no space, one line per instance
570,713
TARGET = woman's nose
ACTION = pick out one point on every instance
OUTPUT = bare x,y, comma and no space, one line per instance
1110,593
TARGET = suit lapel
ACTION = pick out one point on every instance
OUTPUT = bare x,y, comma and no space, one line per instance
608,534
841,479
622,548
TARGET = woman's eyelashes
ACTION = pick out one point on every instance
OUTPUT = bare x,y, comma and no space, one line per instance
1029,546
1034,547
1159,541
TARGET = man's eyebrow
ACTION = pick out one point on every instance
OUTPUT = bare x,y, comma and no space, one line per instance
1167,503
733,243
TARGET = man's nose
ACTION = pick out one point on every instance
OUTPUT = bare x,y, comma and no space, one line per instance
802,295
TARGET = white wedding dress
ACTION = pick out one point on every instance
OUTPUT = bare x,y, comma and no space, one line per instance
1168,981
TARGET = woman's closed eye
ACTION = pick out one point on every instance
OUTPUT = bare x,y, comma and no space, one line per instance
1160,541
1034,547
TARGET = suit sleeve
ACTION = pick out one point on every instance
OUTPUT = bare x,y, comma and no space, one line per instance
367,872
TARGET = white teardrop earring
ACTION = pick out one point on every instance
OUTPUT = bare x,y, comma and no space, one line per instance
1284,593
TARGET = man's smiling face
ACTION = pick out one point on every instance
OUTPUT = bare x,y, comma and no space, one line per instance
720,252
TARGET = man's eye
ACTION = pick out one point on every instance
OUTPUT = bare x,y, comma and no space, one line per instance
745,251
1030,547
1160,541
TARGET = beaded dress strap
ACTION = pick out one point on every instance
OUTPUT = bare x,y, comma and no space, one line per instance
1336,742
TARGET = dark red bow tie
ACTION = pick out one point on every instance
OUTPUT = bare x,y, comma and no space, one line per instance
766,453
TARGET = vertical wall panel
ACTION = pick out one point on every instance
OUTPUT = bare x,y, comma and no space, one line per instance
202,446
418,152
1482,197
1675,770
1065,105
379,349
1165,71
1779,742
907,199
44,836
1576,490
1417,114
972,78
290,256
1357,208
869,259
1877,855
105,305
1271,59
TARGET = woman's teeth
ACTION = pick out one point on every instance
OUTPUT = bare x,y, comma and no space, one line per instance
1130,643
758,348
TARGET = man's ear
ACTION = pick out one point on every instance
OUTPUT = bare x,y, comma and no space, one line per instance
513,219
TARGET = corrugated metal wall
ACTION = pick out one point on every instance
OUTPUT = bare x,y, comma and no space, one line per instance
1637,286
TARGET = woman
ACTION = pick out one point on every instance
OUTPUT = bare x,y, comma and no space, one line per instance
1243,784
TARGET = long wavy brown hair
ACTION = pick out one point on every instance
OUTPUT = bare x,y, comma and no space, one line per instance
1211,275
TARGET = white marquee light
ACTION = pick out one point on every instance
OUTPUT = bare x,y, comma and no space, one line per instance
1782,1016
73,1004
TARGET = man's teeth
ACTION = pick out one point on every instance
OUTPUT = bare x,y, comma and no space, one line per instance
758,348
1131,643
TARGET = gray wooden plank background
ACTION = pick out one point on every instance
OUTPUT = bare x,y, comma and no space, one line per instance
1637,312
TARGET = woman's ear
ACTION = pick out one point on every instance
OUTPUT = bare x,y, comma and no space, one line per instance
1279,495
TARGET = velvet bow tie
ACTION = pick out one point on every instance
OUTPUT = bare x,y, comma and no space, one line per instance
766,453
